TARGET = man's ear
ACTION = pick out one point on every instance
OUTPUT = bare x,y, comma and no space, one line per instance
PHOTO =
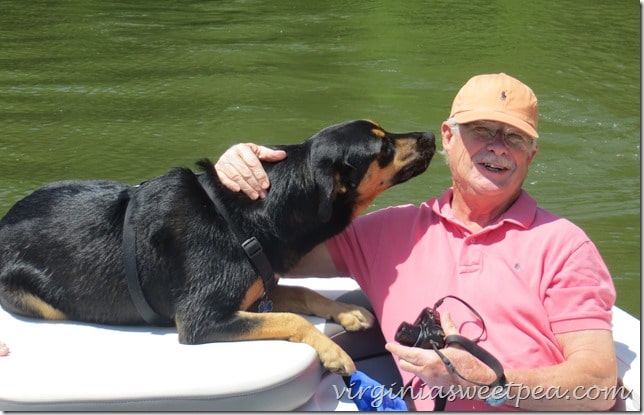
446,135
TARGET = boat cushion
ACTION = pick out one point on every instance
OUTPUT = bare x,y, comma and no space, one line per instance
69,366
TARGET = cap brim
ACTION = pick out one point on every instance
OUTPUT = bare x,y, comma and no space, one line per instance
491,115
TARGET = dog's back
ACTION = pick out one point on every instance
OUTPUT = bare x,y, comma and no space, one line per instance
62,245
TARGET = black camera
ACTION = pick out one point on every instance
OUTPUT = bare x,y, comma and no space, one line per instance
426,332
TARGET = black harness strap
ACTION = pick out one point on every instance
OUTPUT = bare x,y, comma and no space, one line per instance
132,273
252,247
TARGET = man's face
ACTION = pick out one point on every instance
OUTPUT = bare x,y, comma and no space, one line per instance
488,158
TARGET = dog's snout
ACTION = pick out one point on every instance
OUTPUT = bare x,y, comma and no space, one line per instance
426,143
427,138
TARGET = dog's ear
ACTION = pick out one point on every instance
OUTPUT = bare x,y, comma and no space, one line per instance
328,161
323,176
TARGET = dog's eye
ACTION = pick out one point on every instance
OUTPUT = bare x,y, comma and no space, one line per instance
387,152
351,175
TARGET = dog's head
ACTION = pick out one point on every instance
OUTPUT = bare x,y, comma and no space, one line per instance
355,161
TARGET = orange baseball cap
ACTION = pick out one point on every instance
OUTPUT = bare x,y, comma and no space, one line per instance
497,97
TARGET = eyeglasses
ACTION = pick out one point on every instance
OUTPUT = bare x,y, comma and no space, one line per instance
486,134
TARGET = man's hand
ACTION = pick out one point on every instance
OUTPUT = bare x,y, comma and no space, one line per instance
240,168
428,366
4,350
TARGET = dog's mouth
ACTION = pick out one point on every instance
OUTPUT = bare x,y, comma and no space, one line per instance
417,165
411,170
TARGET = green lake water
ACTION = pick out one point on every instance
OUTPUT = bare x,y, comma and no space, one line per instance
126,89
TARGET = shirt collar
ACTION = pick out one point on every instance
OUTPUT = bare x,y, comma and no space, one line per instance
522,212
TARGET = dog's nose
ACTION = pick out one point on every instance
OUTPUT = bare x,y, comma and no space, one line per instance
427,141
428,136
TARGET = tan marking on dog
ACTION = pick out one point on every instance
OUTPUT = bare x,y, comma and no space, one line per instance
38,306
338,186
375,181
405,148
378,133
283,324
253,294
181,331
302,300
295,328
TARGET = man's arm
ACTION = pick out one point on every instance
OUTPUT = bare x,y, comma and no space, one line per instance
586,380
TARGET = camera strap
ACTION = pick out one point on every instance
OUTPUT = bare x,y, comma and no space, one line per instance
476,313
475,350
480,353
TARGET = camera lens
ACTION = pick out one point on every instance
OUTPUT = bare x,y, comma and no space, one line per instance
407,334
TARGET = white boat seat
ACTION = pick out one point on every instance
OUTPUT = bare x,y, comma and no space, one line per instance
70,366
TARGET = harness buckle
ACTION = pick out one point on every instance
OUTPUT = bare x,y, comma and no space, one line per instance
252,247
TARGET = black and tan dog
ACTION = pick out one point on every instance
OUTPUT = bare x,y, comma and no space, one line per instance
62,256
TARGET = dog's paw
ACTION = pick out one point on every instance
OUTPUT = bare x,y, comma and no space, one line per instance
331,355
336,360
354,318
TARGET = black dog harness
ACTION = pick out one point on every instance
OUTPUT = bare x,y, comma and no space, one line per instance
132,273
253,249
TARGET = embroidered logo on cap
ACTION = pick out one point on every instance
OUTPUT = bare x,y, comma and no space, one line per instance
503,96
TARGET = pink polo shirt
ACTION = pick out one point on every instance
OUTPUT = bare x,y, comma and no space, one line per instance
531,275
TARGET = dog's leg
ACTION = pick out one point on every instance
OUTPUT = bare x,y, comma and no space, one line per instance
272,326
303,300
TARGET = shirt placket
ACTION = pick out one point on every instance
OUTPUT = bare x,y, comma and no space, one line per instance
471,256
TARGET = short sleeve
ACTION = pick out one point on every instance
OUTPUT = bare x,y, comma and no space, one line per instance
581,295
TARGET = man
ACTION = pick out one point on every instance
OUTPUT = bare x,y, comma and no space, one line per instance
536,279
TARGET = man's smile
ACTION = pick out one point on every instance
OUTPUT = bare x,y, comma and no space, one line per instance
493,167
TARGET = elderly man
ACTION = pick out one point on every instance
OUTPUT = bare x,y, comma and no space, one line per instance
536,279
